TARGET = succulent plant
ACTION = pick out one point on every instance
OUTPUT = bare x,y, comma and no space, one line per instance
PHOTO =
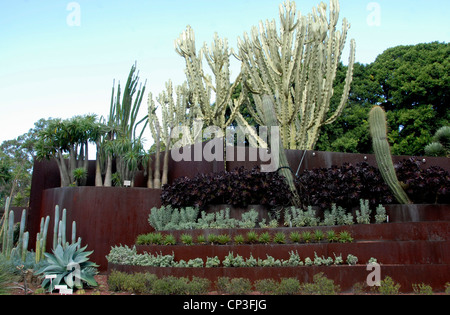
71,267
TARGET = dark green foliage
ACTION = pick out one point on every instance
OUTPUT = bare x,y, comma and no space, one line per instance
346,185
411,83
343,186
239,187
424,185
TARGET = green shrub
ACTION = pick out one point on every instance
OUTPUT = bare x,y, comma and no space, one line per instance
169,239
252,237
239,239
306,236
171,286
223,239
266,286
234,286
321,285
295,237
6,275
388,286
201,239
187,239
331,236
288,286
138,283
318,235
422,288
279,238
264,238
212,238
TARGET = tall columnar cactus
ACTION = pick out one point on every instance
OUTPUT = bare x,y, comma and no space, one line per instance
377,121
7,234
297,65
270,120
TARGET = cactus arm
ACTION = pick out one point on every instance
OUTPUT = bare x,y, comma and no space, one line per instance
25,245
10,236
55,227
270,116
377,121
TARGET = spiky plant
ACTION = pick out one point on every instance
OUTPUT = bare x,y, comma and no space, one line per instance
71,267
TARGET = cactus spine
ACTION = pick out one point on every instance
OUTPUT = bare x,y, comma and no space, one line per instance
377,121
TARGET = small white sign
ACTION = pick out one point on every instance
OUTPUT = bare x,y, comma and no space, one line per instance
127,183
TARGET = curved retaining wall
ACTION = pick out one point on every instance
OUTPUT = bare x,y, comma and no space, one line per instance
105,216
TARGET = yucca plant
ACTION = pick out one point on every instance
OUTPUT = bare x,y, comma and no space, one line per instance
71,267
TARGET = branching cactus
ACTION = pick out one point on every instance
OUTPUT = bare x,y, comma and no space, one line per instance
203,85
377,121
297,65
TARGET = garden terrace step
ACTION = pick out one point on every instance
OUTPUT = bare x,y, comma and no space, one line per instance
398,231
418,213
345,276
387,252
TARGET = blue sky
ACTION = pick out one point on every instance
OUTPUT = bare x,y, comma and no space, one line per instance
59,58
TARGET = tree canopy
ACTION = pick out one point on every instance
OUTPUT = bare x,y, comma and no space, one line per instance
411,83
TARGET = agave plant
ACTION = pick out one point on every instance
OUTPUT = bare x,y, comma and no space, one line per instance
71,267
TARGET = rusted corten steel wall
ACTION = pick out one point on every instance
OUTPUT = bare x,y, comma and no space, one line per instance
109,216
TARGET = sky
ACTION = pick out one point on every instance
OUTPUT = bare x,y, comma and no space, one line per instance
59,58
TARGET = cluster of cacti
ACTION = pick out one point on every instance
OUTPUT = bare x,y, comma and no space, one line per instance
381,148
297,65
59,230
20,249
7,234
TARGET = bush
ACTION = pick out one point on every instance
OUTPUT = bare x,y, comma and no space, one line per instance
234,286
346,185
239,187
147,283
430,185
343,186
321,285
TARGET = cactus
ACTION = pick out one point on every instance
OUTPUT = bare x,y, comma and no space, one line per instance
55,227
271,120
25,245
22,229
377,121
4,230
10,234
298,65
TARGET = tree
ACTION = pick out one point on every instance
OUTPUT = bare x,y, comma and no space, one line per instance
122,142
414,75
66,141
411,83
16,166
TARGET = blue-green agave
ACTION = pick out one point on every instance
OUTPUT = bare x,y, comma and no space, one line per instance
71,266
